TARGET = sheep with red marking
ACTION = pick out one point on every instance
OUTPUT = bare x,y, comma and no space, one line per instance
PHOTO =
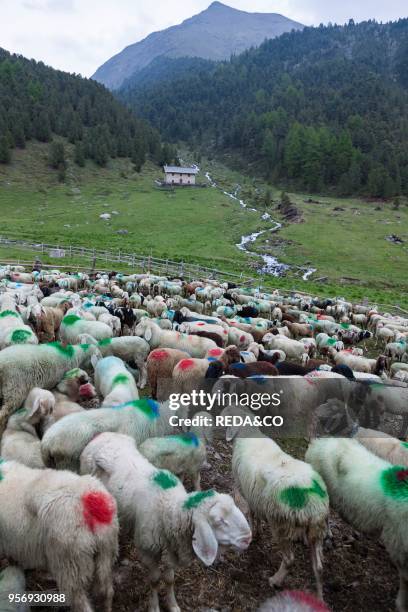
240,338
293,601
61,523
160,366
217,333
189,373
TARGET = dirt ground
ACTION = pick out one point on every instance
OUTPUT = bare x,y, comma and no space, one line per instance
358,575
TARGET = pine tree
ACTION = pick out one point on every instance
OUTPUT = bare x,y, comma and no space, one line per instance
79,154
56,156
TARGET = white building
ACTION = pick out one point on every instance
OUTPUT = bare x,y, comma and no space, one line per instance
175,175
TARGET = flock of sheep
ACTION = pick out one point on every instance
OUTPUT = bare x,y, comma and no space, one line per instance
71,475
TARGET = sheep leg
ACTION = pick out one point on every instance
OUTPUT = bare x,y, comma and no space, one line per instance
141,366
404,426
316,554
103,583
154,579
402,597
170,595
288,558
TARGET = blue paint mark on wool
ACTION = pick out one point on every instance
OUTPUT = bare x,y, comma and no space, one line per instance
238,366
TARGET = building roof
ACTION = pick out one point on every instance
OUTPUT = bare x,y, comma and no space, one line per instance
180,170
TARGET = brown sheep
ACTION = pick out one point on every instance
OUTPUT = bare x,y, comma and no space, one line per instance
160,366
300,330
47,320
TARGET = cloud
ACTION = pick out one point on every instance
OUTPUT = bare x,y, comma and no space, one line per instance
80,35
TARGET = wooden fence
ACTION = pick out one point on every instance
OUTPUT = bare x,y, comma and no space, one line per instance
134,261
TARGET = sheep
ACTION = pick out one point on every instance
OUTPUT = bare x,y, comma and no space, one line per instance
292,348
299,330
370,493
183,454
159,338
282,490
47,320
64,524
72,327
166,523
374,400
240,338
26,366
14,331
189,373
396,350
114,382
63,443
395,367
257,368
355,362
12,581
324,342
130,349
113,322
334,418
160,366
293,601
20,441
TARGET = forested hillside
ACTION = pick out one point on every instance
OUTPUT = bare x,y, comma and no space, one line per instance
38,102
320,108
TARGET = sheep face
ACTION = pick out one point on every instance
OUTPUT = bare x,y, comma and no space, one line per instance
222,524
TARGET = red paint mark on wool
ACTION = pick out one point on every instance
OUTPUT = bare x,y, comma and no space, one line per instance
158,355
98,509
200,324
225,331
307,599
185,364
402,475
242,338
215,352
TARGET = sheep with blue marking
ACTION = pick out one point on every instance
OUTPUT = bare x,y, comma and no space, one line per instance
183,454
370,493
285,492
168,525
64,442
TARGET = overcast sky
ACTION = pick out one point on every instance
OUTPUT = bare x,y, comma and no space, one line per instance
79,35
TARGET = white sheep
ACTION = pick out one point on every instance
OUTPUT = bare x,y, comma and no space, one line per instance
282,490
161,338
114,382
26,366
183,454
12,581
293,601
293,349
396,350
61,523
113,322
72,327
167,523
64,442
370,493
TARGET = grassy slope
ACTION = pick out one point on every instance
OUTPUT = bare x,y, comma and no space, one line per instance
203,225
198,225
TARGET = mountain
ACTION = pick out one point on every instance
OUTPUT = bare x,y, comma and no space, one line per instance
38,102
217,33
320,109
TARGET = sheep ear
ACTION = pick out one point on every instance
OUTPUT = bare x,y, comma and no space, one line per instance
204,542
148,334
231,433
36,407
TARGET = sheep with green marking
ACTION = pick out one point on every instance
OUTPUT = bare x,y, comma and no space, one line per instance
13,330
114,382
370,493
285,492
183,454
64,441
23,367
72,327
167,524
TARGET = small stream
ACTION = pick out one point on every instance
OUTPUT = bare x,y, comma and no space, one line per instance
271,265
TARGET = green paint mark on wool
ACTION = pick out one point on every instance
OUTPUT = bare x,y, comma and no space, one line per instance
105,342
70,319
9,313
71,373
20,336
195,499
1,473
345,325
165,480
404,444
120,379
149,407
394,482
67,351
298,497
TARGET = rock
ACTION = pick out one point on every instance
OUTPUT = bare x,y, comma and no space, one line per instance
122,232
105,216
395,239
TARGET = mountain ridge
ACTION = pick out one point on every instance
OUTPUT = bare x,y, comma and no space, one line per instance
215,34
